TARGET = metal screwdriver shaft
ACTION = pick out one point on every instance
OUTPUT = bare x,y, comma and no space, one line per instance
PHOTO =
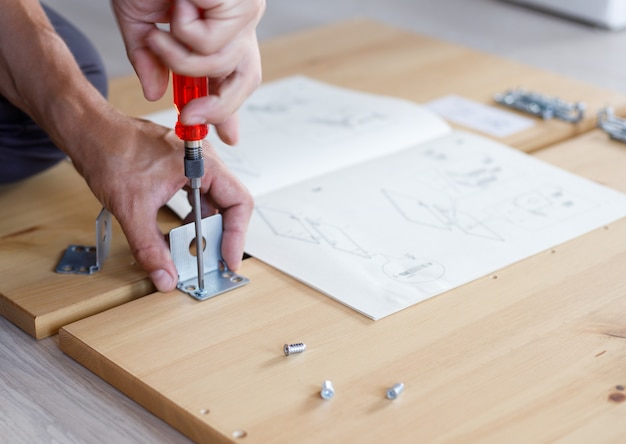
194,170
185,90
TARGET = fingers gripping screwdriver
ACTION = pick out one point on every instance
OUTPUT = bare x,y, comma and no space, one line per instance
186,89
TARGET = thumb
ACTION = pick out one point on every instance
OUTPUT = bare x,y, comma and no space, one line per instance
151,252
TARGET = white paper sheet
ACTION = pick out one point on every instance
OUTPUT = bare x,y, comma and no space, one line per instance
478,116
386,234
298,128
377,203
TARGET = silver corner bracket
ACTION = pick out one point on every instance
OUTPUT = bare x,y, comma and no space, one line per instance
81,259
217,278
541,106
614,126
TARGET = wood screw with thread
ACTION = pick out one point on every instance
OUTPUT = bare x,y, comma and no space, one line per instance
290,349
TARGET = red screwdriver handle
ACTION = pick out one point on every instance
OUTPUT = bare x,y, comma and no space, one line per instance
185,90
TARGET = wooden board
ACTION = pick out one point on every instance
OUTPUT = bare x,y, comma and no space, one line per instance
360,54
533,353
373,57
48,213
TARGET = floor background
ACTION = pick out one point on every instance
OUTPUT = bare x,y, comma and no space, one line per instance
533,37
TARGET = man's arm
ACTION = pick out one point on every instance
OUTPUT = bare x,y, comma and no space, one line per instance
132,166
36,66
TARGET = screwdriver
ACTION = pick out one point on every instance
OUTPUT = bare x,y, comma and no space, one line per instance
186,89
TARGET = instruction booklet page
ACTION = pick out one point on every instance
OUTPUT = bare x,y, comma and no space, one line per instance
379,204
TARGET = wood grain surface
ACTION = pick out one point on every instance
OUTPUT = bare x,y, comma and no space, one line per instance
48,213
358,54
532,353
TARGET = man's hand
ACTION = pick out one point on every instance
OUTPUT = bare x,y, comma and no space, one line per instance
132,166
207,38
139,171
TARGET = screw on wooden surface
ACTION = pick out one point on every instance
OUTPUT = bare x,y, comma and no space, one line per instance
394,391
290,349
327,391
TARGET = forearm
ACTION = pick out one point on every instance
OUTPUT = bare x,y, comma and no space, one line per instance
39,75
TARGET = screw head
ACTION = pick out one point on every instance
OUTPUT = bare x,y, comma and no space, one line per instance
394,391
289,349
327,391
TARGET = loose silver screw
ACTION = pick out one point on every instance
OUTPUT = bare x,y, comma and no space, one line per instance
327,391
290,349
394,391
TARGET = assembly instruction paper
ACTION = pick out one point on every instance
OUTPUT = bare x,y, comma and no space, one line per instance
402,220
299,128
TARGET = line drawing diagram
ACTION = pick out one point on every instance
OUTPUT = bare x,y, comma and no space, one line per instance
436,194
338,238
286,224
541,207
406,270
442,215
439,197
309,116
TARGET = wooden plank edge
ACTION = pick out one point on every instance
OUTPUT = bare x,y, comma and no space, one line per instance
195,429
49,324
17,315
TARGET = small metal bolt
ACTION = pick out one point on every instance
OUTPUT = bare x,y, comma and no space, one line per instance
394,391
327,391
290,349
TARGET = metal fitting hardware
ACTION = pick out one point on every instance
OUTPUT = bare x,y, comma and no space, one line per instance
614,126
81,259
394,391
327,391
542,106
217,278
290,349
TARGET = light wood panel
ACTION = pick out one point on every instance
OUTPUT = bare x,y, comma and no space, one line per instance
47,213
358,54
533,353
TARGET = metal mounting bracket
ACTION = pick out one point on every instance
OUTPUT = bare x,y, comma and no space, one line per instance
542,106
81,259
217,278
614,126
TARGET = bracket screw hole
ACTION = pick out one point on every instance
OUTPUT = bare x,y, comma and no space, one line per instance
192,246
